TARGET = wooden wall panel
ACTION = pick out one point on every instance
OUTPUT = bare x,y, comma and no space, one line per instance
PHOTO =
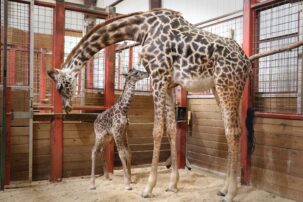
19,153
278,159
41,151
206,142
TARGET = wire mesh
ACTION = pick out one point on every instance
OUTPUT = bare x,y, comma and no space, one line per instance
126,59
43,46
18,44
230,27
278,78
91,78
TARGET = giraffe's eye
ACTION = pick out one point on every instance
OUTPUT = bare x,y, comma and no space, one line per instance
59,87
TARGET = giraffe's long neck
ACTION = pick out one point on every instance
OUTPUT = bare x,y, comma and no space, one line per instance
128,28
126,96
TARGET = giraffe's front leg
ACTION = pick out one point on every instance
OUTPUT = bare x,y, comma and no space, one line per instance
159,94
171,131
94,153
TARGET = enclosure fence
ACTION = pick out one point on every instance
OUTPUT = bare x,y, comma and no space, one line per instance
278,78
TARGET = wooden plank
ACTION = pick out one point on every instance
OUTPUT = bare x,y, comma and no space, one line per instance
206,143
287,140
272,121
277,179
276,189
209,129
279,129
195,101
207,122
204,108
19,131
210,137
282,154
207,151
292,168
207,115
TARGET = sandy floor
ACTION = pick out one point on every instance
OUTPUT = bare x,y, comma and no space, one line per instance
195,185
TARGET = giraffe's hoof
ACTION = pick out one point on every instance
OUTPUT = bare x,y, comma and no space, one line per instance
108,179
128,188
219,193
227,199
172,189
146,195
92,188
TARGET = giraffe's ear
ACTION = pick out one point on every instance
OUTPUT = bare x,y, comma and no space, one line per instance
52,74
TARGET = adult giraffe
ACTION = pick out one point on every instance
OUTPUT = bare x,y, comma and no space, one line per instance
174,52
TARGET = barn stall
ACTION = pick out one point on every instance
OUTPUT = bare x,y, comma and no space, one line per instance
43,143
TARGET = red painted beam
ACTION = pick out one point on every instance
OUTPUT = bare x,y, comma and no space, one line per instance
11,67
181,130
42,80
90,73
130,60
109,97
8,106
57,121
248,33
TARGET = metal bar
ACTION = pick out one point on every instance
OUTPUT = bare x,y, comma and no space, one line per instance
279,115
57,121
100,12
8,135
181,130
220,19
264,4
130,60
248,31
115,3
3,140
42,80
31,90
109,97
12,66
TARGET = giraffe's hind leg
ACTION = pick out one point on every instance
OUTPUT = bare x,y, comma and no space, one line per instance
171,132
223,191
93,157
231,116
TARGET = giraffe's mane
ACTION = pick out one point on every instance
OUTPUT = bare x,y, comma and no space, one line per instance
93,30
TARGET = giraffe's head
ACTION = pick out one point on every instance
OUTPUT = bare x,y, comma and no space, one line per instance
135,75
65,85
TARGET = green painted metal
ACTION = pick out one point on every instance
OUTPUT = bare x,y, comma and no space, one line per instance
3,135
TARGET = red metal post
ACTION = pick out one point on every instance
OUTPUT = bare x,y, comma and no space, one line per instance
90,73
57,121
42,80
11,66
130,60
8,135
181,129
109,97
248,33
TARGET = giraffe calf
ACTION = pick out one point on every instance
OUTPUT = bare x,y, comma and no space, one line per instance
112,124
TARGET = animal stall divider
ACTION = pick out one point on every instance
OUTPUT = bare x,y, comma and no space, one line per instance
248,25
